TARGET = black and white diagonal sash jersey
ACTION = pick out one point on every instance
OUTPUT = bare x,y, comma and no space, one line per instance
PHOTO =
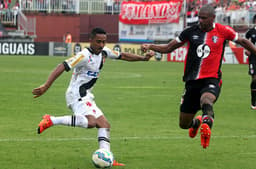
86,67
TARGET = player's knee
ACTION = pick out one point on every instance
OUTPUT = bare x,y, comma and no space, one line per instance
91,121
91,124
102,122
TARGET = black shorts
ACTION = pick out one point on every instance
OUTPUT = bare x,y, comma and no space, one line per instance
190,102
252,69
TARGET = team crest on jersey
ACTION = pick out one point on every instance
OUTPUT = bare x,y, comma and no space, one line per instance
214,39
90,59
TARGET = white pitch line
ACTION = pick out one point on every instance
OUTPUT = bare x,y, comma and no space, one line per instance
116,138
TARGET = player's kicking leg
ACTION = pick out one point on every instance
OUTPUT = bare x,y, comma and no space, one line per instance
45,123
74,121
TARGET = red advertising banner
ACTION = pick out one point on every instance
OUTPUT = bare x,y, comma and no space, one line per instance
178,55
150,12
239,53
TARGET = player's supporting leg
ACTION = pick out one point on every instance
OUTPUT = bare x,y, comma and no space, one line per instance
74,121
196,123
104,138
104,142
253,94
205,130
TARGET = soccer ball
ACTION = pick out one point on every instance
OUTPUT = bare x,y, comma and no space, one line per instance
102,158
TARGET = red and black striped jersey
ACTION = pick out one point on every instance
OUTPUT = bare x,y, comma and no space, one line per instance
205,50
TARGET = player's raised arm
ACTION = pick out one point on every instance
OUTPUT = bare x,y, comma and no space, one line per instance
162,48
248,45
52,77
133,57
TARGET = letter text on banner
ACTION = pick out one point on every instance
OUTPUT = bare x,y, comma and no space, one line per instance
150,12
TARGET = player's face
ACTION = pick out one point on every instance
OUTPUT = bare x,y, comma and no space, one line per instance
98,43
206,21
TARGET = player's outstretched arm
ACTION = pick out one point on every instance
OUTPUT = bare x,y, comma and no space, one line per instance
162,48
53,76
248,45
133,57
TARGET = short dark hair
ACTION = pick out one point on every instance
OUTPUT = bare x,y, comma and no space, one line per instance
208,9
97,31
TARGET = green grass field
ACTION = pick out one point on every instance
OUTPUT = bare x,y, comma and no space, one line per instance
141,100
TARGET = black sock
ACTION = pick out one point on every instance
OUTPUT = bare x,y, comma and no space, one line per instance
253,93
195,123
208,114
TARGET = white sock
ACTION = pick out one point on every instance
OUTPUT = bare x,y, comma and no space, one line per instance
104,138
74,121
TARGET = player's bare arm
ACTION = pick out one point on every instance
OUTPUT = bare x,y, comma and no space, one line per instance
53,76
248,45
162,48
133,57
248,53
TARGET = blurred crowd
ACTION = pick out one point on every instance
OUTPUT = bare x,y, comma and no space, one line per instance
9,11
240,14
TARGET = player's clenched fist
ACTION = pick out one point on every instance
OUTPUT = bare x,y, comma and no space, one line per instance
149,55
39,91
145,47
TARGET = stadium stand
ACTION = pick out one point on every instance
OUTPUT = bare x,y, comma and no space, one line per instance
13,13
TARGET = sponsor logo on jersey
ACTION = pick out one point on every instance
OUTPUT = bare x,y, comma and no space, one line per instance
92,74
195,37
203,51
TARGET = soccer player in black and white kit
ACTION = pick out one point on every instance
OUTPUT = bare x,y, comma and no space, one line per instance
202,72
251,35
86,66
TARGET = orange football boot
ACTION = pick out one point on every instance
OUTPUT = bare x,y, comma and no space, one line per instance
44,124
115,163
193,131
205,135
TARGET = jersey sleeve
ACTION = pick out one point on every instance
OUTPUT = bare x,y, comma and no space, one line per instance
111,53
229,33
183,35
75,61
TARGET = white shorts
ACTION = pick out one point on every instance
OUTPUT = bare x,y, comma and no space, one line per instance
86,106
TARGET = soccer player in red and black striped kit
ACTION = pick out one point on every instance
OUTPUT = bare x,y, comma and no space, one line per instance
202,69
251,35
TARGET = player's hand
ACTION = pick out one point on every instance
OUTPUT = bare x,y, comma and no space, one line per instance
39,91
248,53
145,47
149,55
